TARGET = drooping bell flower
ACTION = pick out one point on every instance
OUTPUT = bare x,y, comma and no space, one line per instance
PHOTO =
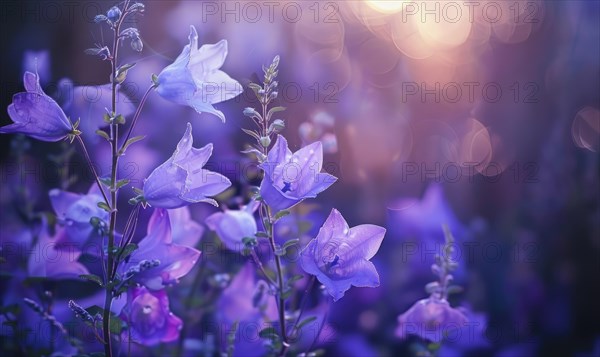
184,230
291,178
181,180
234,225
195,78
37,115
173,261
431,319
339,256
149,318
74,211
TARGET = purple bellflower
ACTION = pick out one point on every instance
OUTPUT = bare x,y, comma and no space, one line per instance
431,319
48,262
339,255
195,78
174,261
290,178
37,115
234,225
148,316
184,230
74,211
181,180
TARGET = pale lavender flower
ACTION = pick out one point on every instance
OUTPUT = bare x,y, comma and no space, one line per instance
74,211
181,180
175,261
431,319
339,256
291,178
37,115
195,78
149,318
184,230
234,225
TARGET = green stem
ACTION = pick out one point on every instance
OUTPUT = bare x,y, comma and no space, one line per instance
93,169
137,115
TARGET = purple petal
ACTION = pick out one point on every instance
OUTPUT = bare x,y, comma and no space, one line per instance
185,231
62,200
274,197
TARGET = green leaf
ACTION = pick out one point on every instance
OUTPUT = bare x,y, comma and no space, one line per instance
119,119
122,183
129,248
137,191
274,110
103,134
281,214
294,279
129,142
154,79
262,234
104,206
305,322
290,243
251,133
106,181
91,277
116,324
268,333
122,72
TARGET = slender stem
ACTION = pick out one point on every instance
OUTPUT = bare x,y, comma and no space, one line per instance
93,169
188,306
303,303
114,138
261,267
137,115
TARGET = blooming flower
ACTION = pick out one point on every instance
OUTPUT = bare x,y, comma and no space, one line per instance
339,255
75,210
37,115
184,230
148,316
431,319
48,262
174,261
181,180
290,178
195,79
234,225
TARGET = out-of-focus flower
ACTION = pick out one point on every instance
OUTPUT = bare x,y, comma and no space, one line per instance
184,230
195,78
291,178
38,62
75,211
248,302
148,316
37,115
175,261
48,262
339,255
430,319
181,180
234,225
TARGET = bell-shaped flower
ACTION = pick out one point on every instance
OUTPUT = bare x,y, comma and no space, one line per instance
174,261
181,180
339,255
37,115
195,78
290,178
74,211
234,225
184,230
431,319
49,262
148,317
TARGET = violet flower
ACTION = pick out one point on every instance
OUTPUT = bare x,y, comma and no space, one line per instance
181,180
48,262
339,255
431,319
234,225
37,115
195,78
291,178
148,316
74,211
184,230
175,261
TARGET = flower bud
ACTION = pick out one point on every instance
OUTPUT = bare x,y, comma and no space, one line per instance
265,141
277,125
137,44
114,14
250,112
